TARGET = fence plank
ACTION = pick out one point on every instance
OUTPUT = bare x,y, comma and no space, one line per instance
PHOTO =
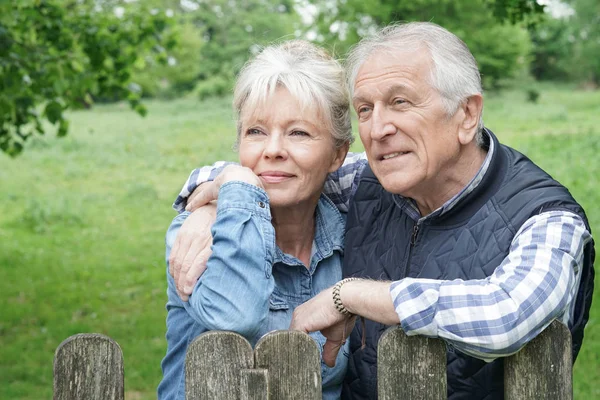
254,384
410,367
294,364
543,369
213,363
88,366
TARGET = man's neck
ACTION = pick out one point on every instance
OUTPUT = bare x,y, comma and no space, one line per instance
449,185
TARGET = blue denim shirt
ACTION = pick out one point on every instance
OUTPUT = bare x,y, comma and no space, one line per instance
250,286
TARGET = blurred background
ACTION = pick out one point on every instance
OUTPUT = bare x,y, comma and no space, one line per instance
107,105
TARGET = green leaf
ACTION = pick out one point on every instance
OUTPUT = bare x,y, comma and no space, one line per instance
63,128
53,112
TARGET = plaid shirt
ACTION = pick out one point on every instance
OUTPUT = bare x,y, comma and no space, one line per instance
536,283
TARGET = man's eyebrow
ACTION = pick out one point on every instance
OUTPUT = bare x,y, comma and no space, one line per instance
359,99
398,87
391,90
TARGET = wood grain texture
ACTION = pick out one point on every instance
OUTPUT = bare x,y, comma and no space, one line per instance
410,367
294,364
543,369
254,384
88,366
213,363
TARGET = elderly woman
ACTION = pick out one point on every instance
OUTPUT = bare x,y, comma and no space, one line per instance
277,241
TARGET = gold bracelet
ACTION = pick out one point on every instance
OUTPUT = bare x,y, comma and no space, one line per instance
337,301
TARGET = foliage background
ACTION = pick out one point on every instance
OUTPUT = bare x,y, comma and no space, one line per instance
82,218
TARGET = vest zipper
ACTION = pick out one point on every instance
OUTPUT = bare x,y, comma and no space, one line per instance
413,237
413,240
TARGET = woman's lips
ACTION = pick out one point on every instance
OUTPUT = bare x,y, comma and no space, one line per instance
275,177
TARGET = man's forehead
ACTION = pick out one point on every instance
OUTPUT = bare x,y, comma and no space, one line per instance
399,68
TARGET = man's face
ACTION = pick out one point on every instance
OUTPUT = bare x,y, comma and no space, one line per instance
410,141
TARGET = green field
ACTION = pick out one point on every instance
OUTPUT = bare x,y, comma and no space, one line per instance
82,223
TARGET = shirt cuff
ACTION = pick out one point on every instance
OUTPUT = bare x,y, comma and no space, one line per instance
415,302
244,196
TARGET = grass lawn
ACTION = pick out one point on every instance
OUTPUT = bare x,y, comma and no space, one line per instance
82,223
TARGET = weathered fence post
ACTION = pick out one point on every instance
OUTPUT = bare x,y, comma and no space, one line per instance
410,367
254,384
543,369
88,366
213,365
294,365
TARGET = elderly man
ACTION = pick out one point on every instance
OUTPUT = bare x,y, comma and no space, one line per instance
449,233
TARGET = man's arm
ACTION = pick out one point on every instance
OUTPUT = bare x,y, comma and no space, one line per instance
485,318
198,176
339,186
497,316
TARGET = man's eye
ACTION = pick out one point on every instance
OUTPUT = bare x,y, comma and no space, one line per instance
254,131
363,109
399,101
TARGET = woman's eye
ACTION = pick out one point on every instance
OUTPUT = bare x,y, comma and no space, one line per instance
254,131
399,101
299,133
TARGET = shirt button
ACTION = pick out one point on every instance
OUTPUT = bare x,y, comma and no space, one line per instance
261,204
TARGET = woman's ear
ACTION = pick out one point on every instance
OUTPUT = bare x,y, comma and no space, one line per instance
339,157
472,109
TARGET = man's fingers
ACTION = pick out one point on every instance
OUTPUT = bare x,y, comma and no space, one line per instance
202,195
174,251
330,352
183,296
188,259
178,253
196,270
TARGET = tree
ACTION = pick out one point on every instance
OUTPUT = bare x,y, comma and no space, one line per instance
60,54
585,39
500,48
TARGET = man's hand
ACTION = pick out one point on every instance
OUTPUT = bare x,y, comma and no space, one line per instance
320,314
191,249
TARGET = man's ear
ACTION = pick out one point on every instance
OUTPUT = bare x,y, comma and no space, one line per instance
340,156
472,109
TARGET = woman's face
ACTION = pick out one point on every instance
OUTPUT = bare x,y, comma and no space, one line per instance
289,149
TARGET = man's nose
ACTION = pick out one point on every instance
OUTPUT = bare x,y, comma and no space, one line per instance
275,146
381,125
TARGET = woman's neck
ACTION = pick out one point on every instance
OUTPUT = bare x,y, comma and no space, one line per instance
295,230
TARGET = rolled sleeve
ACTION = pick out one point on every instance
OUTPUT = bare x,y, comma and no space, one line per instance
496,316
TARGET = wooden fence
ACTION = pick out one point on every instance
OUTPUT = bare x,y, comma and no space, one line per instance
286,365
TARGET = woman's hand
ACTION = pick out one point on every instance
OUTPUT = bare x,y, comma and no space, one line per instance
209,191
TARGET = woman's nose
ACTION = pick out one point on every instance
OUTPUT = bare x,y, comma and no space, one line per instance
275,147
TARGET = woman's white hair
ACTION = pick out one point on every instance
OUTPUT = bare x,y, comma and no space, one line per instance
454,72
311,75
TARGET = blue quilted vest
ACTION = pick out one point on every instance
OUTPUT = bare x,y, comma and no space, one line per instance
467,242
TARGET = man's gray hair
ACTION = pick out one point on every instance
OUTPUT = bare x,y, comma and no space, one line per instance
312,76
454,72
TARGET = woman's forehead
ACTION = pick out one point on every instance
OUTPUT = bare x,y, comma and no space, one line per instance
280,106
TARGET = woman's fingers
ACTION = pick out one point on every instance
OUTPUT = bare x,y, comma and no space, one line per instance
202,195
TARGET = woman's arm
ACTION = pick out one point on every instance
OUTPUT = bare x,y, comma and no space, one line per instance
233,293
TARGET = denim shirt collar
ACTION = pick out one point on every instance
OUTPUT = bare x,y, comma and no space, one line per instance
329,235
